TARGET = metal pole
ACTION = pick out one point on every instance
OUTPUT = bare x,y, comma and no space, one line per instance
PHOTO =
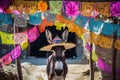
20,77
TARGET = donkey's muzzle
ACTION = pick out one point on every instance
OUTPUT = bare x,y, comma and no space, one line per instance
58,72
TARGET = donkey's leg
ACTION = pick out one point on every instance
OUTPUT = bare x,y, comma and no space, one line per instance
63,79
49,77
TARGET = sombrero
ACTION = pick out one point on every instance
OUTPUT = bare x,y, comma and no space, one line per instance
57,41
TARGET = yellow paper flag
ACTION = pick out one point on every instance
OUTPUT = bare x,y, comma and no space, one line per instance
7,38
59,25
24,44
94,56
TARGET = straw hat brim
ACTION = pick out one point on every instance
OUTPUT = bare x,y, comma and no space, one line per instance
66,45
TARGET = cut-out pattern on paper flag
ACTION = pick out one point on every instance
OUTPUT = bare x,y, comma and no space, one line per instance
49,16
94,56
24,44
20,20
6,38
15,53
30,6
72,9
59,25
33,34
106,42
55,6
88,47
104,67
35,19
19,37
103,8
7,18
87,8
6,59
42,6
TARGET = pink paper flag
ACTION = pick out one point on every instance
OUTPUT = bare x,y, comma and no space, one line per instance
19,38
104,67
15,53
6,59
33,34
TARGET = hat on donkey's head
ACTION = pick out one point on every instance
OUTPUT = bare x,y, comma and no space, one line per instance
57,41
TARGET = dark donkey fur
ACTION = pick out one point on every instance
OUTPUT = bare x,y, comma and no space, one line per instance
57,56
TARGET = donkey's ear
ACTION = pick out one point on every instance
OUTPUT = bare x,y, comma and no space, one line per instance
65,35
48,36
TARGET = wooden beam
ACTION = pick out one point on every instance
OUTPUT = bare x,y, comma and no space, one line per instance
20,77
91,65
114,59
28,50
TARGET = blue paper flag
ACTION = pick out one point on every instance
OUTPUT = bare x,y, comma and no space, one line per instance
108,29
35,19
81,20
7,18
1,18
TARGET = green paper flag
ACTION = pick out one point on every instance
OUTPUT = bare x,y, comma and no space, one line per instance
55,7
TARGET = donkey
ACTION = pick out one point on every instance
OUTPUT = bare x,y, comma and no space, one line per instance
57,68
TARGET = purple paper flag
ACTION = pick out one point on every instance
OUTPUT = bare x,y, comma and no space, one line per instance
4,3
15,53
104,67
87,46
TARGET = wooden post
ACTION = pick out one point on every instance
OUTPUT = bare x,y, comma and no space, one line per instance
91,65
20,77
114,59
28,50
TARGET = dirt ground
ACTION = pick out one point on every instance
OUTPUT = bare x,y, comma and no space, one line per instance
37,72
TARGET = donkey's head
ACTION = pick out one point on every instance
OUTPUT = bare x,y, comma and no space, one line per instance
58,50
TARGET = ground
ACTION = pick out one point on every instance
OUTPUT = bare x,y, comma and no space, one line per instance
37,72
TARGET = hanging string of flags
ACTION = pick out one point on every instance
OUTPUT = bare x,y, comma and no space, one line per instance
101,64
33,34
106,67
19,38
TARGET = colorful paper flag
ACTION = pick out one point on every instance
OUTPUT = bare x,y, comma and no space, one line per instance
24,44
6,59
35,19
33,34
94,56
19,37
15,53
55,7
20,20
6,38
